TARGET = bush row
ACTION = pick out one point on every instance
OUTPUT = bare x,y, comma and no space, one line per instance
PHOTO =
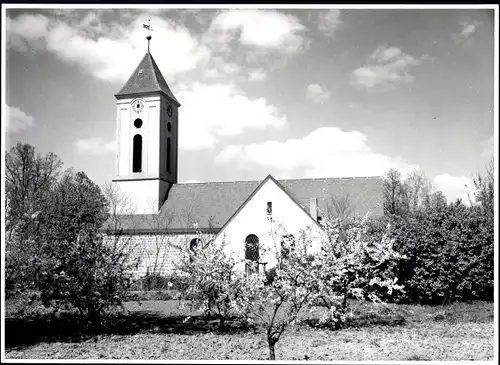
449,253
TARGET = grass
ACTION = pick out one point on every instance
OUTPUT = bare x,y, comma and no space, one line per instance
157,330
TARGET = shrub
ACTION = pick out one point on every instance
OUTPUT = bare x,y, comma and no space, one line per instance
88,274
209,281
450,253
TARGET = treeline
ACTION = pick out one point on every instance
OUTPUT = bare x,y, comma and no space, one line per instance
449,246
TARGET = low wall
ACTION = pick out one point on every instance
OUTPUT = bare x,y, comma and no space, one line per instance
157,253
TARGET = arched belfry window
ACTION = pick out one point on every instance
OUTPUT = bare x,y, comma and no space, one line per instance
168,155
137,154
252,249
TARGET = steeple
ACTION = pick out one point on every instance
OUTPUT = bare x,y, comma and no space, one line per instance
146,78
147,130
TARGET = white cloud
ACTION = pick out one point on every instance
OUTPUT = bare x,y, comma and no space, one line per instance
17,120
387,67
219,68
488,148
327,151
468,28
257,75
329,21
210,112
94,146
316,93
454,187
257,28
109,51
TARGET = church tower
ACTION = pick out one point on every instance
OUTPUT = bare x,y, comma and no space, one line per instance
147,134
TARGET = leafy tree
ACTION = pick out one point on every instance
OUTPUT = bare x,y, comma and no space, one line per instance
29,179
77,265
76,204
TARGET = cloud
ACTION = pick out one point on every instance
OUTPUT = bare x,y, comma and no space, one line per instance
468,28
454,187
94,146
488,148
329,21
17,120
257,75
210,112
108,50
387,67
257,28
316,93
327,151
109,44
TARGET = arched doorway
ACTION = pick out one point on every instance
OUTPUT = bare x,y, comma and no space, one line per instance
252,252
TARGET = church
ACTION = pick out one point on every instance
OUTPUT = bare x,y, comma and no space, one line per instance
172,218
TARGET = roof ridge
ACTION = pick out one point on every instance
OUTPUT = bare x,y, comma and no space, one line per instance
218,182
334,178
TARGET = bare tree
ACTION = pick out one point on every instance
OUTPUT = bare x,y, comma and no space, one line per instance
29,176
121,210
394,193
158,254
485,187
418,189
340,207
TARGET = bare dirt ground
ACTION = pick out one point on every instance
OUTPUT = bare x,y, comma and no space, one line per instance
155,330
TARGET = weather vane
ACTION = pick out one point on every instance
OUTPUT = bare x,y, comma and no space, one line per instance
150,29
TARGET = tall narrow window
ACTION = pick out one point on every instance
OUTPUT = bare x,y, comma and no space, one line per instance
269,208
252,252
137,154
168,155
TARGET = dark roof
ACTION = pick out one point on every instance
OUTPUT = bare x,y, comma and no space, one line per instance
149,80
212,204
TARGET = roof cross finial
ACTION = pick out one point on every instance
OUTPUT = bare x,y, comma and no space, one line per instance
150,29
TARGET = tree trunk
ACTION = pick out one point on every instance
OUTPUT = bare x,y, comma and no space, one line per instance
272,355
222,324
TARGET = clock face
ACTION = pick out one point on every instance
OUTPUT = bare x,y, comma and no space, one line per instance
138,106
169,110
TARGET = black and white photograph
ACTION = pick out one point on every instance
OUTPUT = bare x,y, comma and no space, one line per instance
231,182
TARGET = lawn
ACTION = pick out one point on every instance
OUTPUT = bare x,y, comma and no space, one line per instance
157,330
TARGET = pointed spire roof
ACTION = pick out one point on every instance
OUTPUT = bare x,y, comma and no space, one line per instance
145,79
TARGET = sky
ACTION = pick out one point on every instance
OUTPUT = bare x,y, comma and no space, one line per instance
294,93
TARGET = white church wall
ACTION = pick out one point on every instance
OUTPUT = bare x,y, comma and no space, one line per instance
287,217
143,193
